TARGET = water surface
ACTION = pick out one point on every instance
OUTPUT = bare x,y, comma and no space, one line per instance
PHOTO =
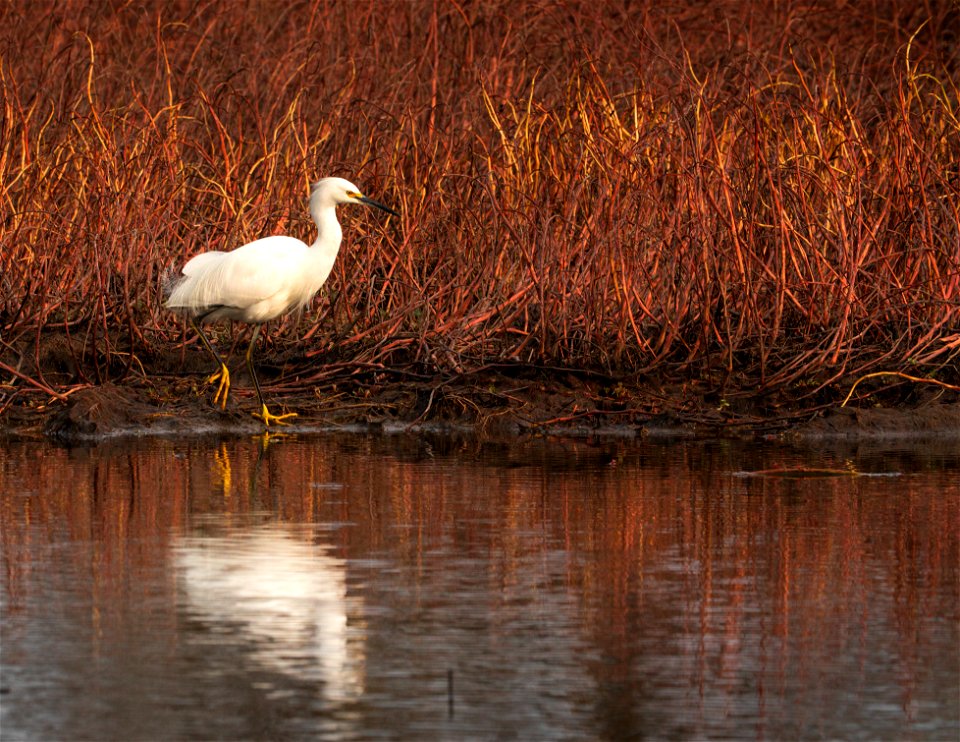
440,588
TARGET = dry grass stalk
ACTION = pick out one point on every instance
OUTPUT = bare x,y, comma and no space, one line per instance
752,202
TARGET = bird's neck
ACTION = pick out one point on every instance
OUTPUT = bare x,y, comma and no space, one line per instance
329,233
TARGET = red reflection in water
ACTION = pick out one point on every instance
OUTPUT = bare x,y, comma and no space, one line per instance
690,584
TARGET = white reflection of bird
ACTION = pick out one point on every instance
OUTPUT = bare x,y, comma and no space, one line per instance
263,280
287,595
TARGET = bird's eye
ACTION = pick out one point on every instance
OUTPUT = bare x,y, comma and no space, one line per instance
353,194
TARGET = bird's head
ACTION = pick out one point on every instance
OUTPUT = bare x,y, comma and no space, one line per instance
333,191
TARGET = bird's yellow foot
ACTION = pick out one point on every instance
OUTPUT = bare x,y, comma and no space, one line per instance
223,376
271,419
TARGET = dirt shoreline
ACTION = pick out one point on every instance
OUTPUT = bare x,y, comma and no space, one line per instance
490,404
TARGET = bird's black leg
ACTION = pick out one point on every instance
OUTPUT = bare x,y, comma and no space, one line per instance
222,375
264,413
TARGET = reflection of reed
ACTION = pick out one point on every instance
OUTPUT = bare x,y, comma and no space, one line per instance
284,598
668,559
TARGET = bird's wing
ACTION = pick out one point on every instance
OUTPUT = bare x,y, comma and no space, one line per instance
198,263
243,277
259,270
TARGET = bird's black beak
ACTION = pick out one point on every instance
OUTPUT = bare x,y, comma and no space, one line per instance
377,204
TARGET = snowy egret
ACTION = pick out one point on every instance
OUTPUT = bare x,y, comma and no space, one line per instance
263,280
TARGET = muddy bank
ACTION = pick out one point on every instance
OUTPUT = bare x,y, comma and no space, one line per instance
494,403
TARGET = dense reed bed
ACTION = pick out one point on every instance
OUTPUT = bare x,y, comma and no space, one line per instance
765,194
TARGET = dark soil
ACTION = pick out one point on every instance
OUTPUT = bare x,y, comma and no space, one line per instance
173,399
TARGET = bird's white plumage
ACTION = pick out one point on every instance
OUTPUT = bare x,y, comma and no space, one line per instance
263,279
254,283
270,276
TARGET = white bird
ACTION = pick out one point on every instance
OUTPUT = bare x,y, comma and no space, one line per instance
263,280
